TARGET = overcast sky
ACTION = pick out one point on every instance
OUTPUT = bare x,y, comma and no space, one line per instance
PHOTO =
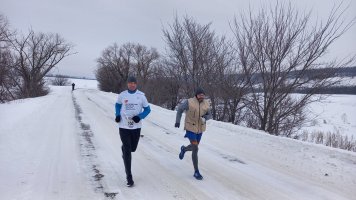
93,25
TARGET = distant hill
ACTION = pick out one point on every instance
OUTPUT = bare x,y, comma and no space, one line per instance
342,72
346,72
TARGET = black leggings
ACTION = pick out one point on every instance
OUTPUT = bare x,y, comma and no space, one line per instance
129,138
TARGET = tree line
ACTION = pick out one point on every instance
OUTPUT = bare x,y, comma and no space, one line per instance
250,79
25,59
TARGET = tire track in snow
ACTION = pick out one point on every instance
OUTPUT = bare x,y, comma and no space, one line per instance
87,149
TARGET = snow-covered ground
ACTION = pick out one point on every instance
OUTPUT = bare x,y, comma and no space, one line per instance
335,114
66,146
348,81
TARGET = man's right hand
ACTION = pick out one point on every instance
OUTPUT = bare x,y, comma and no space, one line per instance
177,125
117,119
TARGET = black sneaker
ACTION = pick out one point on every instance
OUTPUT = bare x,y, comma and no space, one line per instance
182,151
197,175
130,182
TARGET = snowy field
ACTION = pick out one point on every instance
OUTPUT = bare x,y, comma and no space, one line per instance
66,146
348,81
335,114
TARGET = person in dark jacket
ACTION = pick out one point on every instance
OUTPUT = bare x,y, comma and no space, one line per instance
197,112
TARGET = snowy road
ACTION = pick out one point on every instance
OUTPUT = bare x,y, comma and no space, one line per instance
66,146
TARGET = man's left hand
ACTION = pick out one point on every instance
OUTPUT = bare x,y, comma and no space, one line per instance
136,119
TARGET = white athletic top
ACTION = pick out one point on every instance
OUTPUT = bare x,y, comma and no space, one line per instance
132,105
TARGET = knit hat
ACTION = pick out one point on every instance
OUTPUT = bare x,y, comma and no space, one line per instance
199,90
131,79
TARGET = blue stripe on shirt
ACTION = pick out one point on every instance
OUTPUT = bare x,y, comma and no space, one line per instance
117,109
146,111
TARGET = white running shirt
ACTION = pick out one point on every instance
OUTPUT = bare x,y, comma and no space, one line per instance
132,105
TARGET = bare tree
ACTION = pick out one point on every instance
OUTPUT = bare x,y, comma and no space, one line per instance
189,49
4,31
35,55
6,61
113,68
233,93
117,63
196,57
219,81
6,79
276,48
163,87
145,59
60,80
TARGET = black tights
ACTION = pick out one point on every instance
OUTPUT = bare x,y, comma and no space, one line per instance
129,138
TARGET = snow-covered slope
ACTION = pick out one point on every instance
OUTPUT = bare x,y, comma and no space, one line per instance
335,114
66,146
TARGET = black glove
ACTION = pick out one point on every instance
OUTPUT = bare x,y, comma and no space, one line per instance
177,125
136,119
117,119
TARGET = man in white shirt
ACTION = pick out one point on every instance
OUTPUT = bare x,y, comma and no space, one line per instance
131,107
